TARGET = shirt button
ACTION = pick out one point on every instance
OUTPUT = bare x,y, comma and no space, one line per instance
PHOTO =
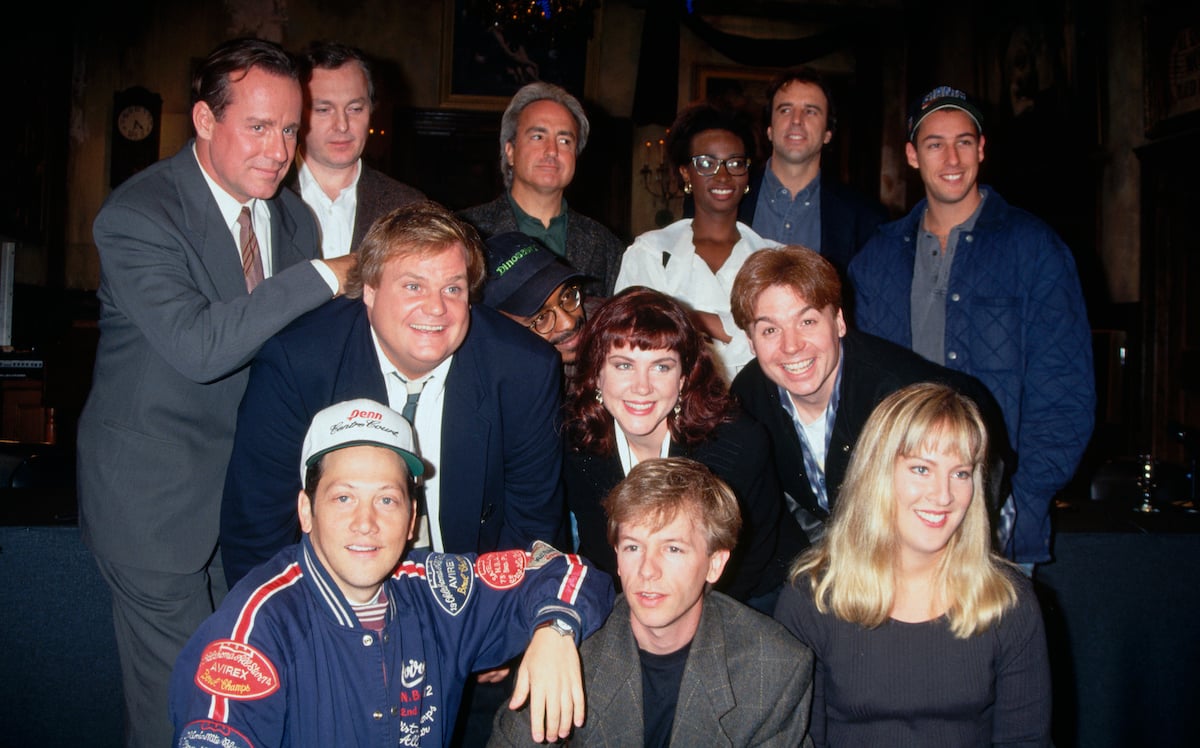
368,640
394,711
954,297
384,637
969,238
787,225
952,356
378,715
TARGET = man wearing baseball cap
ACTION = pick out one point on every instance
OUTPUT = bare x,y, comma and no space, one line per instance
335,642
980,286
533,286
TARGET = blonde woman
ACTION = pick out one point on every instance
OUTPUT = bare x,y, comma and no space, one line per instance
923,635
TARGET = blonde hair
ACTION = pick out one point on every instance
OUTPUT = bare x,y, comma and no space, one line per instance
851,569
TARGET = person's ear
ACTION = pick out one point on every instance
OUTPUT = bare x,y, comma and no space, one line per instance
910,152
203,120
304,509
716,565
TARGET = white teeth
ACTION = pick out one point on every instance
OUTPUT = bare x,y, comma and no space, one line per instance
361,547
428,328
639,407
799,367
952,177
931,517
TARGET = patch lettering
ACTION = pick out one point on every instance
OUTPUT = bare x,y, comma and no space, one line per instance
236,671
541,554
206,733
501,570
451,580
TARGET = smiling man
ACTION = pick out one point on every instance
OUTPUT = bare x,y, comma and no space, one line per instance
485,397
542,133
345,194
970,282
678,664
814,382
335,642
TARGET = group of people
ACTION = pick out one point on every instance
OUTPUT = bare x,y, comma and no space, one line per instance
420,450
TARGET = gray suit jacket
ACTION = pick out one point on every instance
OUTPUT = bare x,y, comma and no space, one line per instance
177,330
378,195
747,682
591,249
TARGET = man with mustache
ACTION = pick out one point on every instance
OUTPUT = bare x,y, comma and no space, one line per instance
532,286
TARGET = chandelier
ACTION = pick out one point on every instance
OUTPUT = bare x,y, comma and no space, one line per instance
537,17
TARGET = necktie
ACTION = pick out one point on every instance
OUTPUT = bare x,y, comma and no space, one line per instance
410,405
422,538
252,266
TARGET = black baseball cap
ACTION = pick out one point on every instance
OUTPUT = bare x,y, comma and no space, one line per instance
942,97
522,273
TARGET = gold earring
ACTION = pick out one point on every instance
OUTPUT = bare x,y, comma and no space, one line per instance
599,396
678,407
687,188
746,191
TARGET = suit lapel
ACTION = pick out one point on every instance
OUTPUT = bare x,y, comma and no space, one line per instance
465,436
360,374
218,252
705,694
617,675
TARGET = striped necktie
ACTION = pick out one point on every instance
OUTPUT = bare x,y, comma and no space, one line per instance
252,266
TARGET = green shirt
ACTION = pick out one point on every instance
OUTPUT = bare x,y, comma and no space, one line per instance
554,236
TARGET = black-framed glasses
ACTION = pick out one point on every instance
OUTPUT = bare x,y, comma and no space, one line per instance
707,166
568,301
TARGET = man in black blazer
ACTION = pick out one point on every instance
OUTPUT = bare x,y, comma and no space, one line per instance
542,132
813,382
346,195
791,200
178,326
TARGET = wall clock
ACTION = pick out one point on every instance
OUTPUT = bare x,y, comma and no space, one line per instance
135,132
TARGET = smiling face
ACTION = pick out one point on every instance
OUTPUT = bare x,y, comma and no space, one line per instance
568,325
420,310
799,126
948,152
361,518
542,154
798,347
339,116
933,490
640,388
720,193
663,574
248,151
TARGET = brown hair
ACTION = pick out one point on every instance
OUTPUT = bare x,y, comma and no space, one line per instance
231,61
799,268
420,229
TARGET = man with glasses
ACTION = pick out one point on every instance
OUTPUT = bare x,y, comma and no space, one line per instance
531,285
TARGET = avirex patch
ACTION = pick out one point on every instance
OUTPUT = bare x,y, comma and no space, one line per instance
501,570
205,733
451,580
236,671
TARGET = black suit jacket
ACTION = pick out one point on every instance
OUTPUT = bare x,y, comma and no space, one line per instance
872,369
739,453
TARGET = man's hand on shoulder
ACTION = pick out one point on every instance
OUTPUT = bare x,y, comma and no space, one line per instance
341,267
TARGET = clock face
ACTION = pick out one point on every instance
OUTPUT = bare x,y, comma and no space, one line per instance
135,122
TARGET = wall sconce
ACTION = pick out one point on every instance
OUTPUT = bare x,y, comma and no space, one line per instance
659,180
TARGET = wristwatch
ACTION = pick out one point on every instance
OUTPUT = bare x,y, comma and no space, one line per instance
560,627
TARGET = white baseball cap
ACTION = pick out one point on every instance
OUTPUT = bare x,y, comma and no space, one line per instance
354,423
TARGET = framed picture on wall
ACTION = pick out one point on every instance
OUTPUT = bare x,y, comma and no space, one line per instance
487,56
1172,48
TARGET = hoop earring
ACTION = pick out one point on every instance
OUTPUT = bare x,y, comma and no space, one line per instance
599,396
687,188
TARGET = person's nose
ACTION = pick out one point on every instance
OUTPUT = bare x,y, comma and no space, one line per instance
341,121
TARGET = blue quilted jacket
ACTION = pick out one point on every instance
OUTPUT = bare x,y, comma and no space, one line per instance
1016,319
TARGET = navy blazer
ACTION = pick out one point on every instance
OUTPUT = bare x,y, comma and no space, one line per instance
177,330
501,454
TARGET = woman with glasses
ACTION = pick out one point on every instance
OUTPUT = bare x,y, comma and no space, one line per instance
645,386
696,259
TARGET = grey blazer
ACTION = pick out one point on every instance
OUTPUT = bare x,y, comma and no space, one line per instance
591,248
177,330
747,682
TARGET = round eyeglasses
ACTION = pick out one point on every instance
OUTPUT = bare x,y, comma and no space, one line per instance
568,301
707,166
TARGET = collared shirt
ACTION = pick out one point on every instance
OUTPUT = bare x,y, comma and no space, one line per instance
931,280
786,218
335,217
628,460
260,216
428,432
814,462
553,236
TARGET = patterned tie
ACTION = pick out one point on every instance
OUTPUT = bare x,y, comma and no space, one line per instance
252,266
422,537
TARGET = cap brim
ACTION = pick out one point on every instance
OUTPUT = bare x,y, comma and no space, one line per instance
533,293
415,466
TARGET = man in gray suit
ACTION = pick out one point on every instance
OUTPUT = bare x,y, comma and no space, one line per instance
200,264
345,194
542,132
676,664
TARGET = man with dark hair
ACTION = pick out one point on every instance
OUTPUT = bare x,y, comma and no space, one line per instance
792,201
201,262
968,281
676,663
542,132
814,382
334,642
345,194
